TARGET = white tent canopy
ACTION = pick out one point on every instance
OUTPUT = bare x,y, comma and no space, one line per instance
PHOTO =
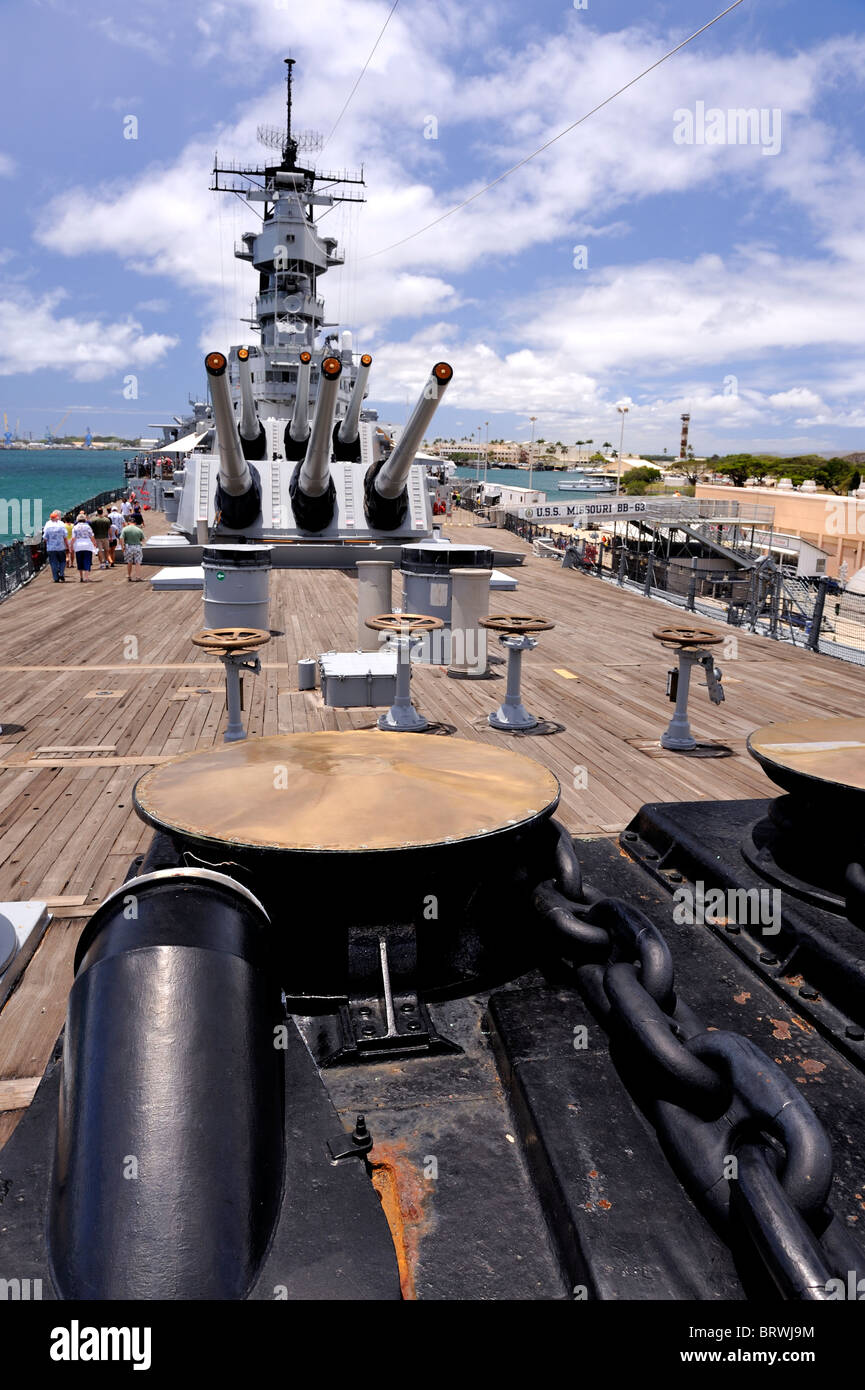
182,446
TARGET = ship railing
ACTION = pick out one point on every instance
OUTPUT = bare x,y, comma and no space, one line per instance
22,559
815,612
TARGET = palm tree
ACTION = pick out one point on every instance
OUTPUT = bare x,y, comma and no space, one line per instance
606,444
580,443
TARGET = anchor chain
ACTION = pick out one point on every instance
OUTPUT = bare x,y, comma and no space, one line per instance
712,1095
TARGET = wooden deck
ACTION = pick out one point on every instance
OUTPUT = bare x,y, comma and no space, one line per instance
100,682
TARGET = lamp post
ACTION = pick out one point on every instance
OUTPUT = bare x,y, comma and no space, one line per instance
533,418
623,410
486,453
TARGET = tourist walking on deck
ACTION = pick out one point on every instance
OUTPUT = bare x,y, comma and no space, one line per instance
116,521
70,549
132,538
54,535
84,544
101,528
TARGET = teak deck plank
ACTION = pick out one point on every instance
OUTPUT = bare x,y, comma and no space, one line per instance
67,825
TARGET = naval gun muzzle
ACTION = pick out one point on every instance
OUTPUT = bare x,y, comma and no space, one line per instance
297,430
385,490
312,489
253,440
346,437
238,486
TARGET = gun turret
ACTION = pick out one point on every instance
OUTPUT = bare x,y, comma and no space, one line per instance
253,440
312,490
238,487
297,431
346,439
385,492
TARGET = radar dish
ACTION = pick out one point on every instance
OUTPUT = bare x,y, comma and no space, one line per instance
271,136
312,141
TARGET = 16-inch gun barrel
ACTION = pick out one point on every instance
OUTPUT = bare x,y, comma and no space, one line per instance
299,427
312,490
238,487
348,429
385,495
253,440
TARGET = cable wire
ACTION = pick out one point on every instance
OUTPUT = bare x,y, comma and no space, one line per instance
514,167
363,70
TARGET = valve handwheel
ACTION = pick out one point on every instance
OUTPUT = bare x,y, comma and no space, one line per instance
231,639
687,637
404,622
517,624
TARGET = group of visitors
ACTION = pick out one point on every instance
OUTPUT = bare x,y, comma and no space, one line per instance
108,533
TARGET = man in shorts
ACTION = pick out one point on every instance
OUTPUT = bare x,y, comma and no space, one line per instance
132,539
101,528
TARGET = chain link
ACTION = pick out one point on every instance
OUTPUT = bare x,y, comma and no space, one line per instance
738,1132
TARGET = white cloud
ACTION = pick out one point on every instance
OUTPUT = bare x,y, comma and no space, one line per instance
7,165
127,37
572,342
33,337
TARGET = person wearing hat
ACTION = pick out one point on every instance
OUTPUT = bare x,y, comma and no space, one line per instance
85,547
54,535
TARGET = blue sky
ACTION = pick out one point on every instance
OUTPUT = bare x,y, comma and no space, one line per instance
721,278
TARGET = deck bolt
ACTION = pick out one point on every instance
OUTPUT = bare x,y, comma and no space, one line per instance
808,993
768,959
368,1032
732,928
853,1031
365,1013
407,1008
629,835
414,1027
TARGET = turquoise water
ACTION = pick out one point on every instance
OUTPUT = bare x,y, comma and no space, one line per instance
35,481
548,483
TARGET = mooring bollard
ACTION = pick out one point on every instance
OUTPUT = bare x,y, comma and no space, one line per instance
691,644
514,635
233,645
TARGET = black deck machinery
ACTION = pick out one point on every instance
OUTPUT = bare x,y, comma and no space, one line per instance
365,1022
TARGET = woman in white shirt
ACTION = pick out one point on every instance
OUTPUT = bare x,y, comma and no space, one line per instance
84,545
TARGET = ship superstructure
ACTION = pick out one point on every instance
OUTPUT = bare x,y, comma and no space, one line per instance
296,454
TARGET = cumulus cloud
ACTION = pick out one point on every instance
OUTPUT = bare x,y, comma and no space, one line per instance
33,336
539,332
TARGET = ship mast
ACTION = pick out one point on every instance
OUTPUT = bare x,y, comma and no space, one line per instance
289,255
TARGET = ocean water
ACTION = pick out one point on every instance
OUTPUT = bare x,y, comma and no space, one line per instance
33,482
548,483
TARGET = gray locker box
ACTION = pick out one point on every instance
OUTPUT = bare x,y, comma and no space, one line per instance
350,680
